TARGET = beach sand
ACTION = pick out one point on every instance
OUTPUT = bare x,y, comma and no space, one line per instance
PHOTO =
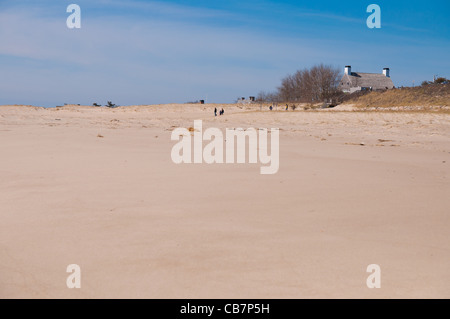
97,187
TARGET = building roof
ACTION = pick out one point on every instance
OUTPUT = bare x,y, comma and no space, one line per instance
373,80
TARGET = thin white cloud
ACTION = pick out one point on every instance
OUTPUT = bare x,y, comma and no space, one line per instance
26,34
167,9
133,59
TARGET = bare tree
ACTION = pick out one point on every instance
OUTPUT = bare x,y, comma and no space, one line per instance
310,85
267,97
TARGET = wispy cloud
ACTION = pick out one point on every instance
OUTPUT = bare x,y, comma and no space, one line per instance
154,52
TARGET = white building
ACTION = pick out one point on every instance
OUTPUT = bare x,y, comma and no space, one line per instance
358,81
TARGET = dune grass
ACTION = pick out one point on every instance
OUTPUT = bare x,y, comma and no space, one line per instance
437,95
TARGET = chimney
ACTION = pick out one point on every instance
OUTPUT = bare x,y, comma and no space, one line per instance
386,72
348,70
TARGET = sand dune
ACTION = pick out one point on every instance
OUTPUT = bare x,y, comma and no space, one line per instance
96,187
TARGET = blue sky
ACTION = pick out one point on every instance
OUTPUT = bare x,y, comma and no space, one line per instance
149,52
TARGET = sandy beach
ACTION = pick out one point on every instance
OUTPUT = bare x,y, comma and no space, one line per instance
97,187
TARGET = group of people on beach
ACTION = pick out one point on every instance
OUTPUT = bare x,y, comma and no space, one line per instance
287,107
221,112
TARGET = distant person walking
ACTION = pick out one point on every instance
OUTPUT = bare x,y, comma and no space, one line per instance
215,111
222,112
